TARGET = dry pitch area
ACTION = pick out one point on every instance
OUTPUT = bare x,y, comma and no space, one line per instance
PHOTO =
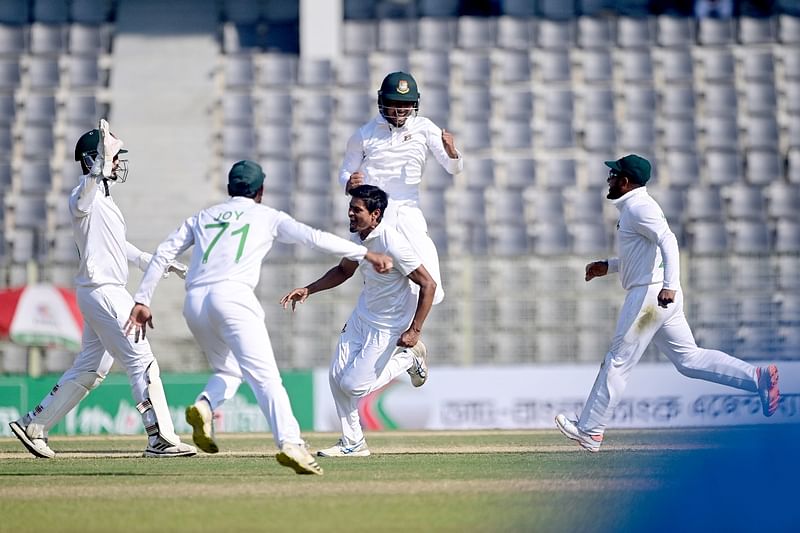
668,480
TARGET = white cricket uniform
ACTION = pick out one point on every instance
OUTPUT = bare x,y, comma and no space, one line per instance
99,231
393,159
648,261
221,309
365,358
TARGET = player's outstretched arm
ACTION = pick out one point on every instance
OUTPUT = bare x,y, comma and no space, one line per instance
140,318
332,278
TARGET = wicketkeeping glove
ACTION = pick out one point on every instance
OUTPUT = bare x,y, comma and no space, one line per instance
178,268
107,148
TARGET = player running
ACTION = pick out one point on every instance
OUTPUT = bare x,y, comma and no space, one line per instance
648,266
224,314
381,339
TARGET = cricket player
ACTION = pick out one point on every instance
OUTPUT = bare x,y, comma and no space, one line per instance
648,266
223,312
381,339
99,230
390,152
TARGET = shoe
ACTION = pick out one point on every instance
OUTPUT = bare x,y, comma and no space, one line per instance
164,448
767,378
340,450
419,368
36,445
200,417
570,430
296,457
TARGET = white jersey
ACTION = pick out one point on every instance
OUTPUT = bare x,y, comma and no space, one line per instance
231,241
99,230
393,158
647,248
387,300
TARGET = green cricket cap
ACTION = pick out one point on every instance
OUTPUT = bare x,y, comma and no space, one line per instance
636,168
399,86
245,178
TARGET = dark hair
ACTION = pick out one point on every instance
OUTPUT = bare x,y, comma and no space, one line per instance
374,197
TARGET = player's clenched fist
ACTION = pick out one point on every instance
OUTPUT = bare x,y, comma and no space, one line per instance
356,179
596,269
449,144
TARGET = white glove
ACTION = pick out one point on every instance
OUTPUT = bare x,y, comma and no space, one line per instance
108,147
178,268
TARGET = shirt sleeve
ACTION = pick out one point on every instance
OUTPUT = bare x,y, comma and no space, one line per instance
650,222
80,201
137,257
291,231
404,257
177,243
453,166
353,157
613,264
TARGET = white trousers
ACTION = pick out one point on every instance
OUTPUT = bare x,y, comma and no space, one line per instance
364,361
410,222
105,310
640,321
228,322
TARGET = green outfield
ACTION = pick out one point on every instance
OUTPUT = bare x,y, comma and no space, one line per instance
427,481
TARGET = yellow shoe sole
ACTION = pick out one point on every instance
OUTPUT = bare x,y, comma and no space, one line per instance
199,436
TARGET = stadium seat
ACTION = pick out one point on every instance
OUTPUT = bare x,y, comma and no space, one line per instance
274,140
751,272
38,142
787,236
6,143
314,72
394,34
556,173
675,65
782,200
596,66
83,72
542,205
507,239
43,73
514,32
517,173
763,167
503,206
749,237
719,100
758,65
275,107
556,134
760,98
435,177
516,135
557,104
709,274
315,174
721,167
35,176
478,33
552,66
473,134
238,142
511,66
238,108
555,34
589,238
359,36
634,32
478,173
594,32
670,199
707,237
677,101
720,132
436,33
47,39
53,11
679,134
599,135
311,140
637,135
583,205
638,101
515,105
473,102
756,30
353,71
312,107
715,31
10,75
238,71
674,31
743,202
276,69
636,65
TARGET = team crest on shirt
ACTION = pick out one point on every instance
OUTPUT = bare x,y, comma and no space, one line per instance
407,137
402,86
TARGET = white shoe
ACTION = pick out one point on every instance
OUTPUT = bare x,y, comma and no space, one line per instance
570,430
163,448
296,457
340,450
200,417
36,445
419,368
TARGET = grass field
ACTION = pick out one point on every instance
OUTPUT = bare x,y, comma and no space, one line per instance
665,480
